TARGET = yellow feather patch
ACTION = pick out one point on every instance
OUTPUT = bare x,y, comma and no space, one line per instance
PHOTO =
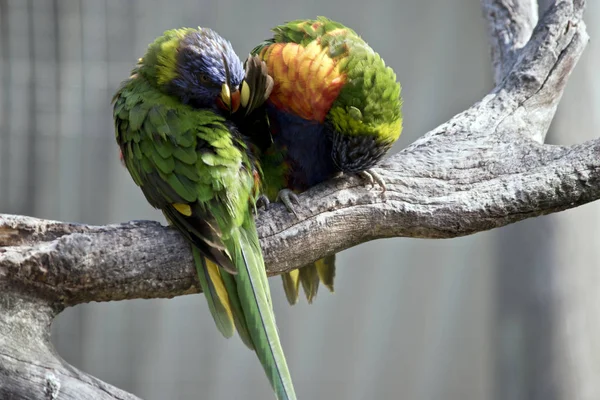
387,132
214,275
338,31
289,53
184,209
291,283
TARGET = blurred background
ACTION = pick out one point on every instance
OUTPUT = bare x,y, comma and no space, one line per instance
509,314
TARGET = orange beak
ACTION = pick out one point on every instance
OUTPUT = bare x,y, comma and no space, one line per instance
235,100
229,101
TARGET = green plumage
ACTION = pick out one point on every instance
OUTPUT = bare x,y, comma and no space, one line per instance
192,164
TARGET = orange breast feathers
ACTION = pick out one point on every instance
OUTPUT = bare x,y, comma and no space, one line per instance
307,81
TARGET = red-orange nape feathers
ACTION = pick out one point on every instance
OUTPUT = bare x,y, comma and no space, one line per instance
307,80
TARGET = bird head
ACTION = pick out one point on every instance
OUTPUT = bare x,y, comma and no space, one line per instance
197,66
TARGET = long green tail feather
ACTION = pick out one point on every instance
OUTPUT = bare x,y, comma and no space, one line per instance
216,297
254,296
237,311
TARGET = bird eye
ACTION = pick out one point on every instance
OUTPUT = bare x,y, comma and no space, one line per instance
204,78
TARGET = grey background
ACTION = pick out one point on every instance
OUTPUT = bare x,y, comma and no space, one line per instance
508,314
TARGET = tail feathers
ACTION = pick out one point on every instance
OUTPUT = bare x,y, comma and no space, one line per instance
236,309
225,308
291,286
310,281
310,275
326,270
254,294
203,235
215,292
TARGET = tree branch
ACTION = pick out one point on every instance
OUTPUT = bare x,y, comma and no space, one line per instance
510,24
485,168
29,366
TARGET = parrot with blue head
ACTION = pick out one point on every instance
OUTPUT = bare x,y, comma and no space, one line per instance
335,108
191,162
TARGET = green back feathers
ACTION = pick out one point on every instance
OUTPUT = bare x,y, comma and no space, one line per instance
370,102
162,138
303,31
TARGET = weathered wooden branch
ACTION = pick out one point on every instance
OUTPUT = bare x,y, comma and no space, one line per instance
510,24
486,167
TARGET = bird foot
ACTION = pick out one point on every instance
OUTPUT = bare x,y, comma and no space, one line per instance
263,202
287,197
373,178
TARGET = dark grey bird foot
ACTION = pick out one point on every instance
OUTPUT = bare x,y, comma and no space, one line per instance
287,197
373,178
263,202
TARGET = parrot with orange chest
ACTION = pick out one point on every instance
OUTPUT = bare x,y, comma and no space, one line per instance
335,108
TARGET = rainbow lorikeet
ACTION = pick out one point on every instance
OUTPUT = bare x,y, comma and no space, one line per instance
192,163
335,108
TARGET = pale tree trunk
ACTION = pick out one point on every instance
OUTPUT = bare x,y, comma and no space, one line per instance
548,314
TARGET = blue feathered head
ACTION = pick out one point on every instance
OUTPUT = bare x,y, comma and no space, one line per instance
197,66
